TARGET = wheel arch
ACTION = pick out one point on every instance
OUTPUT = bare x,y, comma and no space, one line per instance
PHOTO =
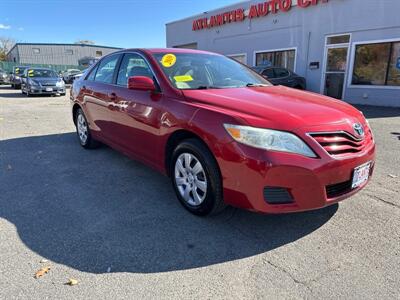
175,139
75,108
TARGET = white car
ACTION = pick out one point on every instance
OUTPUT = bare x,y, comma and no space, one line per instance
68,74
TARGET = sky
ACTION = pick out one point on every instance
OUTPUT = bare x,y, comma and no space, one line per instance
118,23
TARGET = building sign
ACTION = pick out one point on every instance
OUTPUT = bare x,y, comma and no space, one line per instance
254,11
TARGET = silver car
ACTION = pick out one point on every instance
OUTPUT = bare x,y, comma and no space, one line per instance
40,81
3,77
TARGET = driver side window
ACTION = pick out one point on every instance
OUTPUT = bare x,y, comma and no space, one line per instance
132,65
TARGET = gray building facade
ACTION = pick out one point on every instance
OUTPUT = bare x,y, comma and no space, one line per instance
347,49
55,54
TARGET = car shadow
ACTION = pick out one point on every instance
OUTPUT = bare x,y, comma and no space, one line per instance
375,112
94,210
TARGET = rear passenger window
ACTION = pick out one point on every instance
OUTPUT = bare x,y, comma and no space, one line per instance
269,73
105,71
281,72
132,65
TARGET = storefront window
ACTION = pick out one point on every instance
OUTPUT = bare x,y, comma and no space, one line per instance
338,39
284,59
377,64
393,77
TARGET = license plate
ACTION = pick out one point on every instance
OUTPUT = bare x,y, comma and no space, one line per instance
49,89
361,175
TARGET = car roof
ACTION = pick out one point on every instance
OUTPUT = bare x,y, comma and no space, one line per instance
168,50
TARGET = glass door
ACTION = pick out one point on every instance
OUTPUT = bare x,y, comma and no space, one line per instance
335,71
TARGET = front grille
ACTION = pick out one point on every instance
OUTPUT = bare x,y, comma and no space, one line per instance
342,143
338,189
277,195
48,84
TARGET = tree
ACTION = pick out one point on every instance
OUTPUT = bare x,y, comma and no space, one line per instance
86,42
6,44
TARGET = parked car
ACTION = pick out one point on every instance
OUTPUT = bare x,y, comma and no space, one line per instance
68,75
281,76
78,76
223,133
15,76
40,81
3,77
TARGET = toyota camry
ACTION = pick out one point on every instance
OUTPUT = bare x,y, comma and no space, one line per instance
223,133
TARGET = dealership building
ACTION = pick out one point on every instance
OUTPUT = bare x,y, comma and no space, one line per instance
347,49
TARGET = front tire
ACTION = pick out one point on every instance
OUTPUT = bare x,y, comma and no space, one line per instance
83,131
196,178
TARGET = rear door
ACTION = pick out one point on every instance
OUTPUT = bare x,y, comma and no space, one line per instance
98,97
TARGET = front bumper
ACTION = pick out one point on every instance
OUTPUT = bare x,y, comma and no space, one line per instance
46,90
312,183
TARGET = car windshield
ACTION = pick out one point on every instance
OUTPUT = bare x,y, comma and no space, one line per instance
41,73
206,71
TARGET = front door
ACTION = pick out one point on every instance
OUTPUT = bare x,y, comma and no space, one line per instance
139,114
335,71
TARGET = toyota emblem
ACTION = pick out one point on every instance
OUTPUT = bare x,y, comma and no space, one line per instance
358,129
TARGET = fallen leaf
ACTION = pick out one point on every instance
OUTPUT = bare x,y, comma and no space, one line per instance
72,282
392,176
42,272
9,167
108,269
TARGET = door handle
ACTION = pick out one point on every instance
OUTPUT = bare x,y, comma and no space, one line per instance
112,96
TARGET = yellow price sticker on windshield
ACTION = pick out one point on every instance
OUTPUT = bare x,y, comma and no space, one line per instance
31,74
31,71
183,78
168,60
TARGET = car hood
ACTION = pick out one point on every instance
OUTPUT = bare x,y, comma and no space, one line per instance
45,80
275,106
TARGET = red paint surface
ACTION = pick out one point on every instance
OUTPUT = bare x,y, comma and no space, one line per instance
140,123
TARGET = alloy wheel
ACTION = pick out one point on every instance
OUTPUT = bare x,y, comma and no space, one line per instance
82,128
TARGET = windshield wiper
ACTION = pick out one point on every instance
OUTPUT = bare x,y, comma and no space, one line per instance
206,87
256,84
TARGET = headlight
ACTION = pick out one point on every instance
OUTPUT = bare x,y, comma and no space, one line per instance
269,139
60,83
16,77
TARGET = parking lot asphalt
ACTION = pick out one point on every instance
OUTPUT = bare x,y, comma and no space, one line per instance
115,225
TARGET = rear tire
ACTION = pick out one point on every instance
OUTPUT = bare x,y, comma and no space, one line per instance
83,131
196,178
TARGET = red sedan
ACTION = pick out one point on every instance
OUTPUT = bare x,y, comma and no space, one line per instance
223,133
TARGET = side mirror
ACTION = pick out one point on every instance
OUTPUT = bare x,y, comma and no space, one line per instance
141,83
